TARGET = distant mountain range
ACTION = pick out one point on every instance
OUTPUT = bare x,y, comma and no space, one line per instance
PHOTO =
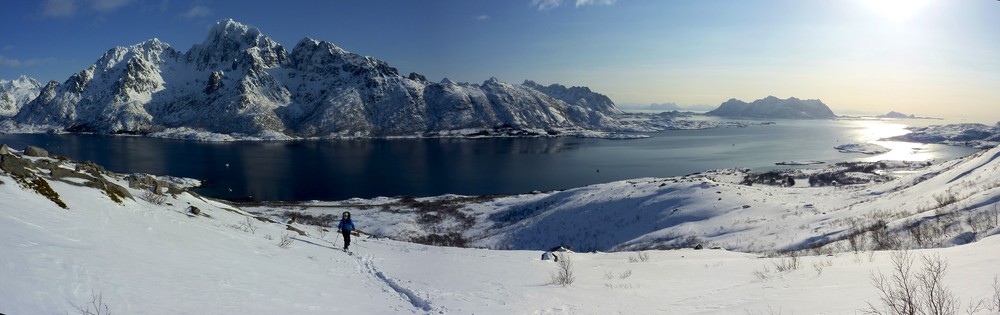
240,82
772,107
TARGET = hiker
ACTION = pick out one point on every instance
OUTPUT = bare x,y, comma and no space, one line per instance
345,227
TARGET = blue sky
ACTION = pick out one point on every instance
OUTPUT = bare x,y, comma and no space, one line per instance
928,57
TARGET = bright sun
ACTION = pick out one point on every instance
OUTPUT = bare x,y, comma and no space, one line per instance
896,10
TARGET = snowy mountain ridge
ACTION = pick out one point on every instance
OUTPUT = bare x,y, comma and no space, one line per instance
240,83
15,93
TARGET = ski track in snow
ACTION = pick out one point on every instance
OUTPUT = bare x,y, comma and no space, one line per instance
367,264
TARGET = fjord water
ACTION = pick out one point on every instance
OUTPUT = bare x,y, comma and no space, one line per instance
343,169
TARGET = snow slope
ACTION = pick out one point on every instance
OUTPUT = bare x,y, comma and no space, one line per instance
711,208
141,257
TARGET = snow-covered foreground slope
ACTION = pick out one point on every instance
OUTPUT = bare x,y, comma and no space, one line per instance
142,257
712,208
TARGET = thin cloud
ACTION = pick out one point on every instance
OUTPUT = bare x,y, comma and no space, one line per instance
580,3
15,63
106,6
197,12
544,5
483,17
59,8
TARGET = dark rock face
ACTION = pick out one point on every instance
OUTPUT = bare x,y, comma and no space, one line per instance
773,107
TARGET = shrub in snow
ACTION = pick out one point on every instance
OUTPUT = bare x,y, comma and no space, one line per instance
639,257
787,263
286,240
564,274
909,291
95,307
246,225
994,303
882,238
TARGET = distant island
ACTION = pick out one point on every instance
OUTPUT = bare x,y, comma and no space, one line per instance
772,107
898,115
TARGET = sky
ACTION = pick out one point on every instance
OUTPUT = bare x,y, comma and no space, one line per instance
923,57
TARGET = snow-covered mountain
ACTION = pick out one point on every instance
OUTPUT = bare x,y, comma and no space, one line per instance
577,95
77,238
773,107
240,82
15,93
967,134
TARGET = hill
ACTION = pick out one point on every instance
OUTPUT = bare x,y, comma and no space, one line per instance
772,107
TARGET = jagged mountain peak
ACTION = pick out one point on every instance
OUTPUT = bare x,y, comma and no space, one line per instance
234,45
22,82
230,30
15,93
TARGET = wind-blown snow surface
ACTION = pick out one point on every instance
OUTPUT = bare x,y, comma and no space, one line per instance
146,258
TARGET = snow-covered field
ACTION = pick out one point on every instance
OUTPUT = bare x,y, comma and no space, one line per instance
153,256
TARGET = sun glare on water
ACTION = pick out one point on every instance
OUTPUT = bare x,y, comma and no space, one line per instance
874,131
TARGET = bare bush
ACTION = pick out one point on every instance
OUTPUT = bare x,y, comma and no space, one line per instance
639,257
153,198
787,263
625,274
564,274
857,241
994,304
763,274
921,233
770,311
882,238
95,307
286,240
246,225
820,265
910,292
945,199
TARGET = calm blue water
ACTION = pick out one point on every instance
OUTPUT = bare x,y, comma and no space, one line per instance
336,170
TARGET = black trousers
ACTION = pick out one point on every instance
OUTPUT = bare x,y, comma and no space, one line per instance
347,238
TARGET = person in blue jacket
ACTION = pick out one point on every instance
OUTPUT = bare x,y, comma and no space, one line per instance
345,227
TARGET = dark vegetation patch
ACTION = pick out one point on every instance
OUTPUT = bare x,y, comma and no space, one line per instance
453,239
844,173
431,213
325,220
